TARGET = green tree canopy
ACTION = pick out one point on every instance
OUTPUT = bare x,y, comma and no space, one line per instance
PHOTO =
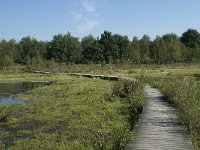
31,51
93,53
144,49
122,43
135,50
86,41
65,48
110,48
173,48
7,49
191,38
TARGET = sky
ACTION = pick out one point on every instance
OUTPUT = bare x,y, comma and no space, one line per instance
41,19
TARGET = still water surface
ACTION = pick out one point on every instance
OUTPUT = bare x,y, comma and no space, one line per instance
8,91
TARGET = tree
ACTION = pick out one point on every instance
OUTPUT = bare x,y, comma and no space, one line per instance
31,51
86,41
191,38
93,53
173,48
135,50
28,50
86,44
65,48
110,48
144,49
122,43
7,49
158,50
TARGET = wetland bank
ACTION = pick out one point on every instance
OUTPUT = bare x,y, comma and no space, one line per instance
71,113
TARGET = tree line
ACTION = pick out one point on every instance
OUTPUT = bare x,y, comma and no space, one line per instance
108,48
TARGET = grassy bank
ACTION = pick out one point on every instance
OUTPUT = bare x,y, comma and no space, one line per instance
23,77
72,113
122,69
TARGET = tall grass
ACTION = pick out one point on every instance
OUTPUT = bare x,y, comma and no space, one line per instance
130,93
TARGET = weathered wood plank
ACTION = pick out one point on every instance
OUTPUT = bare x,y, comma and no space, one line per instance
160,128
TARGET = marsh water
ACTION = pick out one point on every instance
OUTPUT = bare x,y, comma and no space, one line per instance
8,91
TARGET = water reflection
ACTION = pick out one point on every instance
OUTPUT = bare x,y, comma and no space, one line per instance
8,91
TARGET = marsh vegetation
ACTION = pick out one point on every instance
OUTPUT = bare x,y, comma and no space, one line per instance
73,113
84,113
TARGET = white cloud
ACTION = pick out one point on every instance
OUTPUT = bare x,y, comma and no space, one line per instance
86,16
87,25
88,6
77,16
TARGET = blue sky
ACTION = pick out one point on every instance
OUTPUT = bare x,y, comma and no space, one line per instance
42,19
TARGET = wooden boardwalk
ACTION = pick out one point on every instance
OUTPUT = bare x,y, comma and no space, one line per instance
160,128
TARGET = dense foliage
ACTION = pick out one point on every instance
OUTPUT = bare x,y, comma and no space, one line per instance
109,48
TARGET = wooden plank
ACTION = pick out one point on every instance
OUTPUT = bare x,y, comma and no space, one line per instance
160,128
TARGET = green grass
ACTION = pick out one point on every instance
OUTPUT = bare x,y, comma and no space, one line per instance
23,77
113,69
72,113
